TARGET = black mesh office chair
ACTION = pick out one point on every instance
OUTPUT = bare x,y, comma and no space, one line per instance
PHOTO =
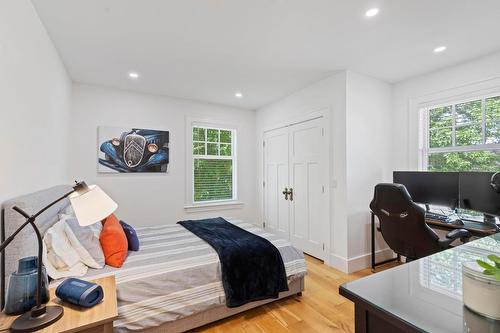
402,224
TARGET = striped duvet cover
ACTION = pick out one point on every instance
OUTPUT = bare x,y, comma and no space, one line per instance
176,274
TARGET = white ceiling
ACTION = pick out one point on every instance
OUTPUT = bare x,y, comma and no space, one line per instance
209,49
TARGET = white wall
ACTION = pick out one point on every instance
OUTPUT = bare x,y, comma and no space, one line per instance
469,76
148,199
35,94
369,161
358,123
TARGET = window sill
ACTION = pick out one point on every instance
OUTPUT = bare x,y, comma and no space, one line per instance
204,207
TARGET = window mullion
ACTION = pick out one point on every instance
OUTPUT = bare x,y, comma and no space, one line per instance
486,147
206,140
218,142
426,145
453,125
483,125
213,157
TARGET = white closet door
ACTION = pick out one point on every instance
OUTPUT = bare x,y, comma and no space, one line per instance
276,208
307,162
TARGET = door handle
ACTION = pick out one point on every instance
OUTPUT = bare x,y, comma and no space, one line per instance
285,192
288,193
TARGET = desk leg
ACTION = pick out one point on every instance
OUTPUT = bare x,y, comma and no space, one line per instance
374,262
373,241
360,324
367,319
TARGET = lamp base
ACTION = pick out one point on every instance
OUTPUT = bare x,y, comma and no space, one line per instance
28,323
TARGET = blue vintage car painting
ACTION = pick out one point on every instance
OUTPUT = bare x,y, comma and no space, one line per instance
134,150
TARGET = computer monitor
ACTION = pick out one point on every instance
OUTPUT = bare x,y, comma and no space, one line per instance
436,188
477,194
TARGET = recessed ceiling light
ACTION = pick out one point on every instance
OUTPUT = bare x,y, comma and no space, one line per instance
133,75
440,49
238,95
372,12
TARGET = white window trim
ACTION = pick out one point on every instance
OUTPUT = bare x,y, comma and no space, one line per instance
418,139
190,204
214,205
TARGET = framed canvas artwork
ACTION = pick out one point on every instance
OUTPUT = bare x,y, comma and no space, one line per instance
132,150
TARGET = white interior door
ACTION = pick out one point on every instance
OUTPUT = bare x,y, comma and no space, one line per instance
276,208
295,158
307,163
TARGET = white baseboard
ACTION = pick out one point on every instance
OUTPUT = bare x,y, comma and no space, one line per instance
338,262
357,263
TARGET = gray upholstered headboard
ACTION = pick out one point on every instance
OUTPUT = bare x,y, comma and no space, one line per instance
25,243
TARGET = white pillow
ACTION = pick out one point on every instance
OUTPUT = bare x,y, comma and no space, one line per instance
96,228
86,242
68,211
59,257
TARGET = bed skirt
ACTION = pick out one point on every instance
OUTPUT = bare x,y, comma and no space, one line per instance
221,312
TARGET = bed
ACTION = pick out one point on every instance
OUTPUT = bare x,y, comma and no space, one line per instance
173,284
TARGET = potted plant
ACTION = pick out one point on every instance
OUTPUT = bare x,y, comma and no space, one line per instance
481,286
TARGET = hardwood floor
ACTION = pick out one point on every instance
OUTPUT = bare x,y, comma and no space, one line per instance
320,309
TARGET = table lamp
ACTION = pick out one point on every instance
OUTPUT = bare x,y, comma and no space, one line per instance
91,205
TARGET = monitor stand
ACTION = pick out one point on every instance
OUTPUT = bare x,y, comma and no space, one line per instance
491,220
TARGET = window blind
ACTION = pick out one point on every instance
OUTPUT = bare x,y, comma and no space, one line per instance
213,179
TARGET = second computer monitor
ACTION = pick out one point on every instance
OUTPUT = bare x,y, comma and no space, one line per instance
437,188
476,193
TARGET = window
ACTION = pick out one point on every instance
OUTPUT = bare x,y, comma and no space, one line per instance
214,164
463,136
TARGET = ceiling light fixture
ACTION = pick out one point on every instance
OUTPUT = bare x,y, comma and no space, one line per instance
372,12
133,75
440,49
238,95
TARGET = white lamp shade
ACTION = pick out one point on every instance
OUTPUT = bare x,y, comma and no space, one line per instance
92,206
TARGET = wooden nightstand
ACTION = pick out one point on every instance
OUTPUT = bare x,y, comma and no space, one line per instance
98,319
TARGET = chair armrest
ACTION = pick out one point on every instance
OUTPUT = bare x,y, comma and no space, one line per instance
461,234
458,233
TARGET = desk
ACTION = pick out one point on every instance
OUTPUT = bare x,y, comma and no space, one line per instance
424,295
374,263
477,229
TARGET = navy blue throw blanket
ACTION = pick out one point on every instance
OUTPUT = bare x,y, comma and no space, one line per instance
252,267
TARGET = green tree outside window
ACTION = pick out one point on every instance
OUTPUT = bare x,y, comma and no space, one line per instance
473,126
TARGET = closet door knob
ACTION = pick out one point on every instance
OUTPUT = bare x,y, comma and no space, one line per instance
285,192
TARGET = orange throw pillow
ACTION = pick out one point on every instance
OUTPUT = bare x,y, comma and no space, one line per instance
113,242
